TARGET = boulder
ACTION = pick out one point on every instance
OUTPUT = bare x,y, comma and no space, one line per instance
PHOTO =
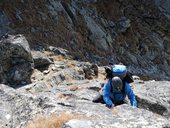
90,70
40,59
123,24
16,63
153,96
59,51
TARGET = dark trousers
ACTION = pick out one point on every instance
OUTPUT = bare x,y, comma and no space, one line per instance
99,99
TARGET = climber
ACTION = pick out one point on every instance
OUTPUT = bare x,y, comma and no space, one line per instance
114,93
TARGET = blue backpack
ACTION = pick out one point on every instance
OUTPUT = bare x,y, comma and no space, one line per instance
120,71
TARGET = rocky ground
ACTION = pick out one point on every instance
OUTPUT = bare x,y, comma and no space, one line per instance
60,84
52,54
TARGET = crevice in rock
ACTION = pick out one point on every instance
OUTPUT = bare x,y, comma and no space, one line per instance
69,12
66,105
85,99
153,107
97,89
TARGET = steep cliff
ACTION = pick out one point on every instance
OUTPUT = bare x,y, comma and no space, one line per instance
134,32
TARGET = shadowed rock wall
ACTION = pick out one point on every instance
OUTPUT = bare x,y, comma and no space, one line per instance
134,32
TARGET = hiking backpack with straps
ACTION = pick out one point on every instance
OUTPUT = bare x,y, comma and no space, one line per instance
120,71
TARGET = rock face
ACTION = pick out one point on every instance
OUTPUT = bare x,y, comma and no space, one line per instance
16,63
154,96
21,105
133,32
164,7
4,24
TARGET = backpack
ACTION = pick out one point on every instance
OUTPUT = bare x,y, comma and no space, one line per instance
120,71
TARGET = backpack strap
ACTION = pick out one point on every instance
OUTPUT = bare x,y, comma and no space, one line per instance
110,86
123,89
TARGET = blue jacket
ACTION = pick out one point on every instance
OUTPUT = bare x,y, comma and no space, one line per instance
116,96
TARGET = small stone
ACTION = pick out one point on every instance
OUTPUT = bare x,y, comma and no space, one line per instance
8,116
46,72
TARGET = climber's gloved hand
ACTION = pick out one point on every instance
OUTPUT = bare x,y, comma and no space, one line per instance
111,106
134,107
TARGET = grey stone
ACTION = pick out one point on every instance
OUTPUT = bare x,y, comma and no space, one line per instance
90,70
59,51
4,24
55,7
78,124
97,35
154,96
123,24
164,7
16,60
40,59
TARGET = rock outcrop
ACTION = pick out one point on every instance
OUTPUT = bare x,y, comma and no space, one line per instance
16,63
153,96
